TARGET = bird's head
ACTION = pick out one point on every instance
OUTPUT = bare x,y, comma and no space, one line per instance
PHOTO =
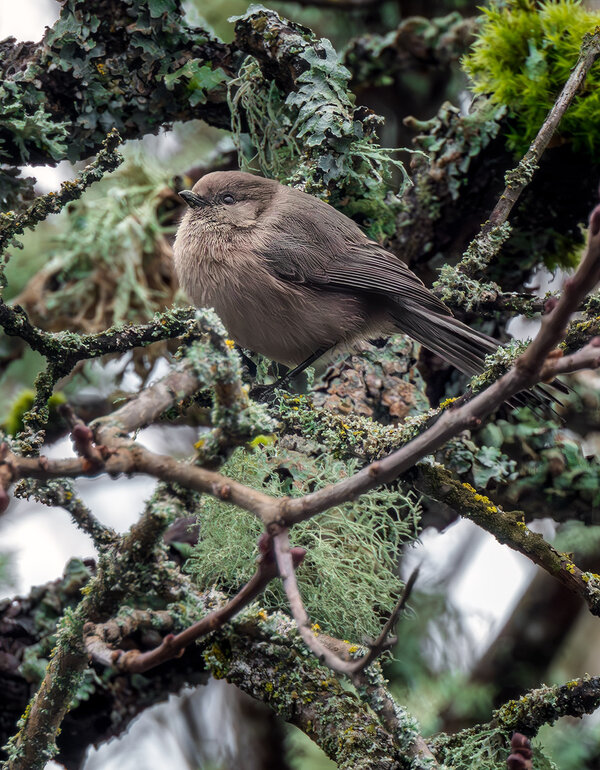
228,200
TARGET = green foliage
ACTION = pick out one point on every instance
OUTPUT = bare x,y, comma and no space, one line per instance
106,266
551,466
349,577
26,121
522,58
202,80
484,463
314,137
13,422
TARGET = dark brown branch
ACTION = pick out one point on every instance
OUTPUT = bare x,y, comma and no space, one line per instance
173,645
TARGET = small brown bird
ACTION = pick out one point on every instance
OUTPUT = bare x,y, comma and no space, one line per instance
292,277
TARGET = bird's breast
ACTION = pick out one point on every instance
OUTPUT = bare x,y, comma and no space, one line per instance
283,321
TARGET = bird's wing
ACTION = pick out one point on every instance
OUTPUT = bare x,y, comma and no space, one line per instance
326,250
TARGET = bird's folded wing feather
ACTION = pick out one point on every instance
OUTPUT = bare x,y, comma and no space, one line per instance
331,252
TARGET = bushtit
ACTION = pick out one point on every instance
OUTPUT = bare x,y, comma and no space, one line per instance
292,277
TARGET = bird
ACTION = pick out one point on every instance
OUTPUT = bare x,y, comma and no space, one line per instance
291,277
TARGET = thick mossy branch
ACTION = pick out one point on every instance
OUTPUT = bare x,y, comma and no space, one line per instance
452,186
136,66
547,704
488,744
135,566
508,528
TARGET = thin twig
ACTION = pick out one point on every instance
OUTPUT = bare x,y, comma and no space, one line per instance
173,645
384,641
285,562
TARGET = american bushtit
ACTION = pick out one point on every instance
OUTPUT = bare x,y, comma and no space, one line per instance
291,277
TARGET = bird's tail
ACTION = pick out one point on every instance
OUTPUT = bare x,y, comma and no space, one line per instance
461,346
445,335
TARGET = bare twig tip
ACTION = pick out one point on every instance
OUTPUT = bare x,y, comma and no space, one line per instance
595,221
550,304
298,555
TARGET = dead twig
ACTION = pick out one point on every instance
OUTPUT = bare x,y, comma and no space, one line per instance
98,636
324,652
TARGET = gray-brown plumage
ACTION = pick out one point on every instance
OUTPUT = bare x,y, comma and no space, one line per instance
290,275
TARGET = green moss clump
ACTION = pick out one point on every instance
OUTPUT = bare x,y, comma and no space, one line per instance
522,58
14,424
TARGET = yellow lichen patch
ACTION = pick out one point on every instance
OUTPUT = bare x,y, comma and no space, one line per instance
489,505
263,440
230,343
447,402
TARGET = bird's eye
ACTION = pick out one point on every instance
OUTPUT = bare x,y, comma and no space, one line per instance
228,199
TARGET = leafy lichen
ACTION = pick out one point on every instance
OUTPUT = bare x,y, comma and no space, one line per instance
313,135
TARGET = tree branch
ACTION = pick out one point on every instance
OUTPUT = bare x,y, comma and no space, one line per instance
172,646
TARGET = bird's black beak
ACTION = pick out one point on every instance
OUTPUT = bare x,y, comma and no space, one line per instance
193,201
